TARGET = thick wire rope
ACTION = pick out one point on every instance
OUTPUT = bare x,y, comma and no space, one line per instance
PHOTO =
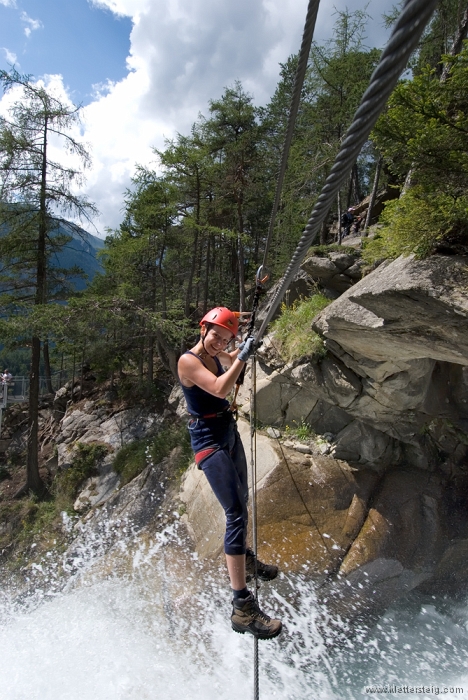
253,479
404,39
304,52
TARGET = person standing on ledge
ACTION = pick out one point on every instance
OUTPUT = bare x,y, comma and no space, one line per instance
220,454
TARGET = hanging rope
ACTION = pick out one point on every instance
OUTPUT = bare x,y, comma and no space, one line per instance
403,41
253,480
295,101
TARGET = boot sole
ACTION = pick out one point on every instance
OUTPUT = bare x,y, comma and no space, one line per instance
259,635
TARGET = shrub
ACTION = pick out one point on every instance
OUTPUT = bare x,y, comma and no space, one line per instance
293,332
300,431
131,459
416,223
323,250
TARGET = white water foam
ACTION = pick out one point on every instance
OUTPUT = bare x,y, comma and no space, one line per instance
143,631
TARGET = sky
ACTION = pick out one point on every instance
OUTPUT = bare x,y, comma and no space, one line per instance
143,70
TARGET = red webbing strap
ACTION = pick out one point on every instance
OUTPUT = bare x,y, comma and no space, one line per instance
203,454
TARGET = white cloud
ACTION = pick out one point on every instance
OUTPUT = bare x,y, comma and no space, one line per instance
182,54
9,55
32,24
8,3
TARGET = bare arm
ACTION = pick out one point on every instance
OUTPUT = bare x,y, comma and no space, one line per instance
191,371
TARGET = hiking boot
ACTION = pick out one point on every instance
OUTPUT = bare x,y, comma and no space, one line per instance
265,572
247,617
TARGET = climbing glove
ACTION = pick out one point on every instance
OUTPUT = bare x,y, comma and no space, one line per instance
246,348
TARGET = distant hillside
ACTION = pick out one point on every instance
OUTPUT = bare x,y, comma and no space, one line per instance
81,251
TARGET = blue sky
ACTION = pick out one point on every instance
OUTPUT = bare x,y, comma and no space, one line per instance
144,69
86,44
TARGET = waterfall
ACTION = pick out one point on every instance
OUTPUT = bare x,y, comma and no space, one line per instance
139,617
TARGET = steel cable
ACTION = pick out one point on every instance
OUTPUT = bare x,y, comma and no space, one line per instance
405,36
304,52
253,480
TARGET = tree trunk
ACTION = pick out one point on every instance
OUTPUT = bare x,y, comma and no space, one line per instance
47,371
373,195
188,294
61,372
150,368
207,276
73,374
141,355
323,233
163,284
240,257
339,218
82,372
33,480
165,349
350,191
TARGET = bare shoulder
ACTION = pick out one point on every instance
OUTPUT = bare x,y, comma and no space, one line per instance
189,367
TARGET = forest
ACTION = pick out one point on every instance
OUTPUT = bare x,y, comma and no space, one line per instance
193,230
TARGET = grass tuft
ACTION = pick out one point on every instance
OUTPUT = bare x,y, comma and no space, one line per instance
293,332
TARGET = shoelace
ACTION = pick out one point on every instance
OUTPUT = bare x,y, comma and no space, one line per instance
259,614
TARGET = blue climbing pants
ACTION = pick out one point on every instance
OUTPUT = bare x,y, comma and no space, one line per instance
226,470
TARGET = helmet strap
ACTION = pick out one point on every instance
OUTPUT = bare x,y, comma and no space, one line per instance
207,328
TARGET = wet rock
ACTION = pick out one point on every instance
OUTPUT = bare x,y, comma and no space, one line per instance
92,424
368,538
98,488
359,443
177,403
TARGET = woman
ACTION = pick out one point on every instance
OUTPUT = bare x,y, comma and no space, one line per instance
220,454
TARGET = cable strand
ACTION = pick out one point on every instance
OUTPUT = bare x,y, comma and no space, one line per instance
304,52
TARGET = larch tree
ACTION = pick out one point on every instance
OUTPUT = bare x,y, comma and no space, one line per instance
38,188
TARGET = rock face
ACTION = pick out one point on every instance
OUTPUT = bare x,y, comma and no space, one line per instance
403,334
91,423
394,384
383,511
334,273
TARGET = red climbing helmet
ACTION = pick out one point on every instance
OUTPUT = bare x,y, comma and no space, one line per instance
221,316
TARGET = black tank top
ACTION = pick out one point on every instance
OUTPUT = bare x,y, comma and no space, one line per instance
200,402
